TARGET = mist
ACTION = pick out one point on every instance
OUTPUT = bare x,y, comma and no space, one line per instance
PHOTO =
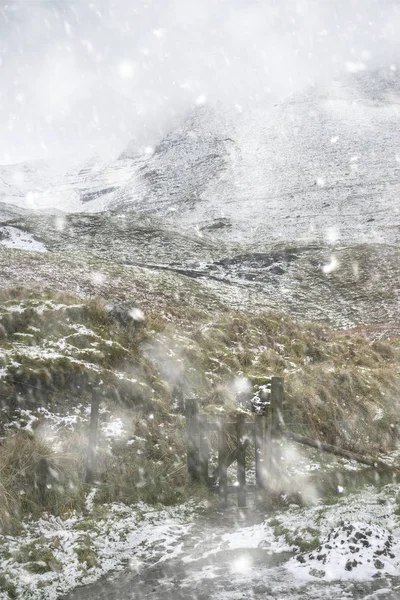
86,77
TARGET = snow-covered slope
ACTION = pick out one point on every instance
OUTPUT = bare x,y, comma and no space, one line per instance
12,237
293,205
68,184
322,165
184,167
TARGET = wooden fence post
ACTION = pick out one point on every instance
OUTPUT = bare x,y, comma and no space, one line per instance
241,459
223,462
204,449
259,446
275,418
277,393
268,451
193,438
94,422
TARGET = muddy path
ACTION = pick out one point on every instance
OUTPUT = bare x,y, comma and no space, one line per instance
204,569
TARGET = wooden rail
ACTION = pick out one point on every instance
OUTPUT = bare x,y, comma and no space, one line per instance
365,460
265,432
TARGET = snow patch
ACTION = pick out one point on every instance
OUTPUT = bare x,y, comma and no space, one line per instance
124,536
12,237
355,552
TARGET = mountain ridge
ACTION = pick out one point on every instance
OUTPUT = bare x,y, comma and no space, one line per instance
291,206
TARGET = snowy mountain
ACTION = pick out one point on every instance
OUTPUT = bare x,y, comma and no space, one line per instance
292,206
322,165
68,184
225,238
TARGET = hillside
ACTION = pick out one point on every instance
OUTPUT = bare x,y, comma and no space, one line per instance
320,166
345,285
56,348
248,242
290,206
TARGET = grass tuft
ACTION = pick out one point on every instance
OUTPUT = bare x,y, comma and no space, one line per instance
340,388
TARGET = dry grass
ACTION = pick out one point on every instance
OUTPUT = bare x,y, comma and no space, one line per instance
21,466
350,407
153,467
340,387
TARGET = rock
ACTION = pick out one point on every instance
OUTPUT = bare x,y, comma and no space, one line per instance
352,546
126,314
317,573
350,564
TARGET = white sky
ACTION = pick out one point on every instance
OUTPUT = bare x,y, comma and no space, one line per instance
86,76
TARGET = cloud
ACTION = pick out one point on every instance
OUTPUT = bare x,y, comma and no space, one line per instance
88,75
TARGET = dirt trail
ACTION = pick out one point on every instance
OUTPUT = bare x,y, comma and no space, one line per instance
204,570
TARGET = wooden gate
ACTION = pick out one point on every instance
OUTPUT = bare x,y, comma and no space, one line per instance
262,432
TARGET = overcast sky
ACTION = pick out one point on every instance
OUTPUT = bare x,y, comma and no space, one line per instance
89,75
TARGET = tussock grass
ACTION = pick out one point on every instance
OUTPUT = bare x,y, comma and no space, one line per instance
153,467
21,467
340,388
350,407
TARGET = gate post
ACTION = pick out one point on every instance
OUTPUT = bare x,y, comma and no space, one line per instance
204,450
277,392
94,422
241,459
274,428
259,445
193,438
223,462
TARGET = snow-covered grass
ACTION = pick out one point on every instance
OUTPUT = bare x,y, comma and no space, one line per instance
12,237
54,555
356,539
53,346
330,378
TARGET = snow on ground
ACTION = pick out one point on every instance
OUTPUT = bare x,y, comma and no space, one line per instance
356,539
39,306
352,551
55,555
12,237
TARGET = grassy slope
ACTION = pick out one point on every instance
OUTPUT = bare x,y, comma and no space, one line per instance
101,254
54,348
